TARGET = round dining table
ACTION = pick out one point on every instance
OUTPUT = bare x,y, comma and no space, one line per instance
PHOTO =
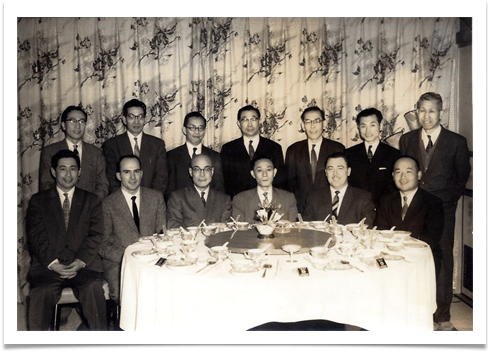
213,297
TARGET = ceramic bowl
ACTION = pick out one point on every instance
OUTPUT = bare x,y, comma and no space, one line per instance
394,246
242,225
209,230
387,234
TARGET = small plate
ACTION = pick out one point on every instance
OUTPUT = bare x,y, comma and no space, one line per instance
393,257
252,269
337,266
144,253
145,240
414,245
175,262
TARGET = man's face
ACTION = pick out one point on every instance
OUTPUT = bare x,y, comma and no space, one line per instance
130,175
135,120
74,126
337,172
369,128
249,123
405,175
201,171
313,125
429,115
194,136
66,173
264,172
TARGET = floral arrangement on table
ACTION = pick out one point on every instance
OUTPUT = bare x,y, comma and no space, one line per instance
268,216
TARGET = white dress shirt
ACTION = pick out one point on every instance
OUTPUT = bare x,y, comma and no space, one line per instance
341,196
255,142
128,196
71,147
374,145
190,149
433,136
409,196
261,192
133,142
206,192
318,145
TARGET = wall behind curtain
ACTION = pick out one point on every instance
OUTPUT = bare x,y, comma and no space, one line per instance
216,66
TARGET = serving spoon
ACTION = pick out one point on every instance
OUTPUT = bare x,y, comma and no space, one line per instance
266,266
347,262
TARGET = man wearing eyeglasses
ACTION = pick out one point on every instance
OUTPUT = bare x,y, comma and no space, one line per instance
237,154
93,170
188,206
305,159
150,150
180,157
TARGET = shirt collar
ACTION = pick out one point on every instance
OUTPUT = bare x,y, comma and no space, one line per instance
128,196
341,191
409,196
190,148
318,145
131,137
71,145
206,192
433,136
374,145
62,196
255,141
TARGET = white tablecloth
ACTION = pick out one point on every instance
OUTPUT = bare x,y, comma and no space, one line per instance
401,297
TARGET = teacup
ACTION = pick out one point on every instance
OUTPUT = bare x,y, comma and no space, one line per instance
189,245
193,230
367,257
255,255
396,246
302,225
319,252
209,230
242,225
386,234
172,231
219,252
318,224
188,236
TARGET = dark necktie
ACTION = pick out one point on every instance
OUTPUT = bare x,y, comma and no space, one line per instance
370,153
194,149
314,161
266,200
66,209
135,213
75,149
203,199
335,203
429,144
251,150
404,208
136,148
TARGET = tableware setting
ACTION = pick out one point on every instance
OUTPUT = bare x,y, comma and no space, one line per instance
240,267
394,246
291,248
256,255
219,252
145,255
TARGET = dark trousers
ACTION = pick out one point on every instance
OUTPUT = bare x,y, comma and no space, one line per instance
45,291
445,266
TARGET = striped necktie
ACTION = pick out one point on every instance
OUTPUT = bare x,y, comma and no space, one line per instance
429,144
314,161
251,150
370,153
404,208
335,203
203,199
66,209
136,148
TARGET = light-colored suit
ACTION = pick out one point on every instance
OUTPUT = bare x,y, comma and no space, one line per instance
120,231
92,177
247,203
185,207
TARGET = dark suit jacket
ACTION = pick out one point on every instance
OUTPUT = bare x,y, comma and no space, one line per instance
153,158
247,203
355,206
424,218
185,207
48,239
236,164
93,173
450,167
298,169
374,177
178,169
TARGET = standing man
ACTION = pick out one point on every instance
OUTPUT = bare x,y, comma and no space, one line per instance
92,170
129,213
340,199
180,157
237,154
372,161
305,160
188,206
445,162
64,231
264,194
150,150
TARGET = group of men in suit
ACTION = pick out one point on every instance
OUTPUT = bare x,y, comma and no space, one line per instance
150,188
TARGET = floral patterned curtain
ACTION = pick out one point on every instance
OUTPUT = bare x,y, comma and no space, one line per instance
216,66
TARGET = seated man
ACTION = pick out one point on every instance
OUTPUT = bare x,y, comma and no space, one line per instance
339,199
64,231
129,213
190,205
412,208
264,195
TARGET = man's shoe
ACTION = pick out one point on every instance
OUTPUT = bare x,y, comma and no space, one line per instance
447,326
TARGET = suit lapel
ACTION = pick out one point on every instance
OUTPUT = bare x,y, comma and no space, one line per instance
439,153
346,202
57,210
196,202
75,209
397,207
414,207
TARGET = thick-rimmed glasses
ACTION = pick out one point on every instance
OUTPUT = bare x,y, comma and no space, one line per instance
74,122
248,120
194,128
207,170
314,121
131,117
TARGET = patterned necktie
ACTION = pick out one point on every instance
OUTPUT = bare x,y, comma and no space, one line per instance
194,149
251,150
335,204
203,199
136,148
266,200
75,149
136,217
314,161
370,153
66,209
404,208
429,144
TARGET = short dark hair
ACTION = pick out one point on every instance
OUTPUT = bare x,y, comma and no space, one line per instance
124,157
313,109
258,158
369,112
65,153
430,96
67,110
337,154
194,114
248,108
133,103
409,157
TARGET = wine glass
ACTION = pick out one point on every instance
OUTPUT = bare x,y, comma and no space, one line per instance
290,249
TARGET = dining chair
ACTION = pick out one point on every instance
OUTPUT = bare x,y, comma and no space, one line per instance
68,299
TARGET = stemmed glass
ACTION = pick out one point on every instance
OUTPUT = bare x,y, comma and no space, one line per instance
291,249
